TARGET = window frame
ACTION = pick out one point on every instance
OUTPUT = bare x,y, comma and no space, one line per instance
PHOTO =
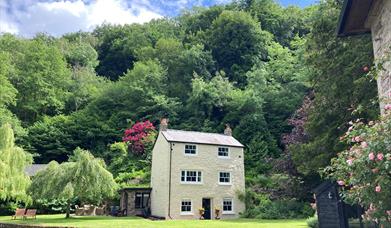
198,176
232,206
191,154
142,199
222,156
191,207
225,183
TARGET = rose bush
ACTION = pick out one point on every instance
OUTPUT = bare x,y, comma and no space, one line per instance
364,169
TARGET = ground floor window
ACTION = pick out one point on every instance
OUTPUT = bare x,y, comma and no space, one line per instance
227,205
186,206
141,200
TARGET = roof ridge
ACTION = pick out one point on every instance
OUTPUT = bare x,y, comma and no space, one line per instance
200,132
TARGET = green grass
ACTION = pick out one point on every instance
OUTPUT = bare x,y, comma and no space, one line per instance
113,222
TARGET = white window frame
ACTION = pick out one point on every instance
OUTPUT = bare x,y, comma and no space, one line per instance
232,206
192,182
189,154
191,207
220,156
225,183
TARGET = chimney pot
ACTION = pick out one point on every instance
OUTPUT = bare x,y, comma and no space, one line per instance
227,130
163,124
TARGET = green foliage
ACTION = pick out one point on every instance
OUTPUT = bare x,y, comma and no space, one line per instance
237,42
41,77
83,177
364,168
341,92
13,161
312,222
259,205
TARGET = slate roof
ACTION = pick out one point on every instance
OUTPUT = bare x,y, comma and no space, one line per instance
33,169
172,135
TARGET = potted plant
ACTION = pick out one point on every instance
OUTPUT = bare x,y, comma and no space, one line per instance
201,211
217,213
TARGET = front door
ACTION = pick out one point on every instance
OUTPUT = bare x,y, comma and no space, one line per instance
206,206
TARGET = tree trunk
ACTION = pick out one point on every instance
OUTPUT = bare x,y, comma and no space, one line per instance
68,209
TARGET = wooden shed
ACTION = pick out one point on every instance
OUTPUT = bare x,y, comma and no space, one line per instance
135,201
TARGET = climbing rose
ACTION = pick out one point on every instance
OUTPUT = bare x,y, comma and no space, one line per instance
349,161
357,139
378,188
341,182
371,156
387,107
364,144
380,156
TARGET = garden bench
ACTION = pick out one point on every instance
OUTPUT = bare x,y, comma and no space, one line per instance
31,213
19,213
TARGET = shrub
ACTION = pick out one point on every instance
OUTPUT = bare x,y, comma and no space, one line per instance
260,206
312,222
363,170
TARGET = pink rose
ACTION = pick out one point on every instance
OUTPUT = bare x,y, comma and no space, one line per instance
350,128
341,182
387,107
380,156
349,161
375,170
378,188
371,156
357,139
364,144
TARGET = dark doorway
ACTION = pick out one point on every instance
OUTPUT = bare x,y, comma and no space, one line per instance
206,206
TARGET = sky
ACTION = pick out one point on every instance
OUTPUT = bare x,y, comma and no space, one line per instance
57,17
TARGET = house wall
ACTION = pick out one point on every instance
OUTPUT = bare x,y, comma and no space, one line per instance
160,177
379,20
210,164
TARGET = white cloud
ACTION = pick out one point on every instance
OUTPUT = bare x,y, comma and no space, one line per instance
56,18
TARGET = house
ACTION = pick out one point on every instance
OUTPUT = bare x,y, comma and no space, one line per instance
33,169
193,170
364,16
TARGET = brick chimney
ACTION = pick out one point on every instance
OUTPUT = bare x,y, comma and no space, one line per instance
227,130
163,124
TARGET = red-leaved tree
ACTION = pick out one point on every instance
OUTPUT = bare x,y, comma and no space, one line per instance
138,136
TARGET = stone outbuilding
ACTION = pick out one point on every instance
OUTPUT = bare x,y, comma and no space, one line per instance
371,16
135,201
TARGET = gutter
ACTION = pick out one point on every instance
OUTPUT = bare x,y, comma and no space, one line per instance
169,184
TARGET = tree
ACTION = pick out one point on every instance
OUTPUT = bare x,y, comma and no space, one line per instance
83,177
13,161
237,42
140,135
341,89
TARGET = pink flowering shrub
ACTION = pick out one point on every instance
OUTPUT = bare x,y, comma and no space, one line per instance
138,136
364,169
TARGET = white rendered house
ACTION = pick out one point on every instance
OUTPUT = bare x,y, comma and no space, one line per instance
193,170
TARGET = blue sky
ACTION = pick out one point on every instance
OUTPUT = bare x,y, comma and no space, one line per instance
56,17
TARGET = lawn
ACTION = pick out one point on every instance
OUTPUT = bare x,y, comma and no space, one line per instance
113,222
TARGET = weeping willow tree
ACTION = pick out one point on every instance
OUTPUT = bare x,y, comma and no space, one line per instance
13,161
83,177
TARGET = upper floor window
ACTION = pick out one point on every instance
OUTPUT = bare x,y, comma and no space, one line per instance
190,149
224,177
186,206
227,205
190,176
223,152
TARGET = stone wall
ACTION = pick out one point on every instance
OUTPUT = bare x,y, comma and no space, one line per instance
379,19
